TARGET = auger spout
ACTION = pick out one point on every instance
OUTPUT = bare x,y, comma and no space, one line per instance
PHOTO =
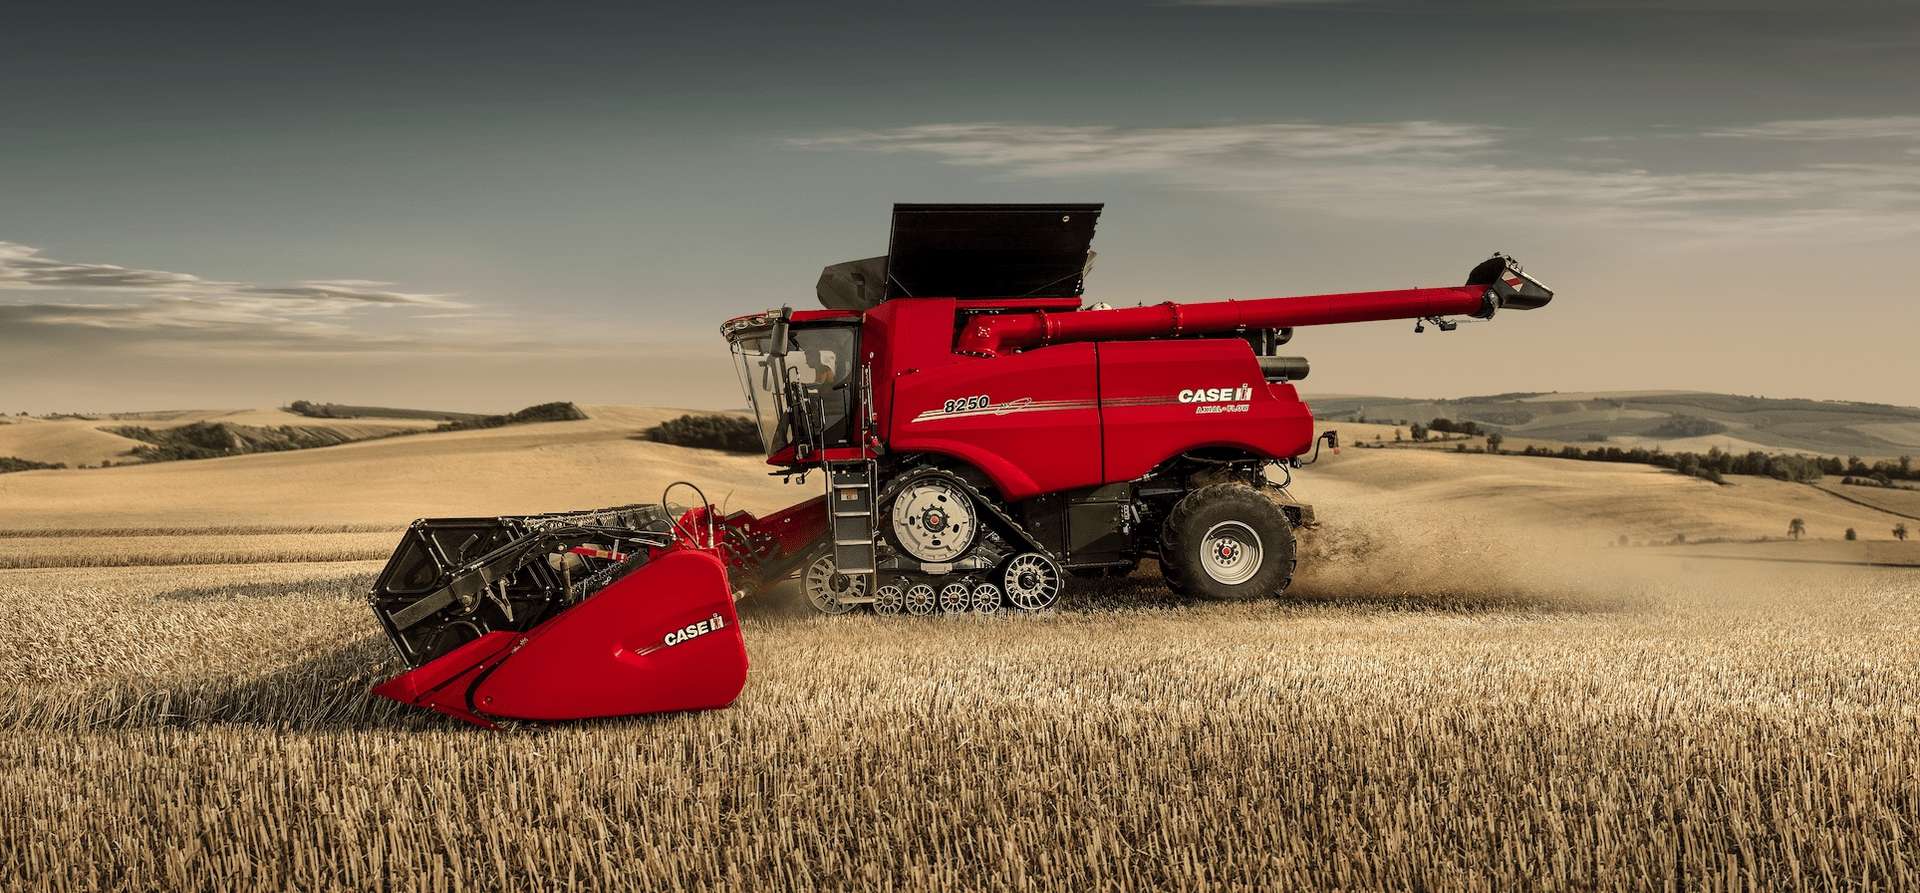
1495,284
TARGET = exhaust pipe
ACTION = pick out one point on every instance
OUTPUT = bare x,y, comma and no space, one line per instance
1277,369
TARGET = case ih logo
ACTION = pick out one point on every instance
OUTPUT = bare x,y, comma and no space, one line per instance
1217,395
1218,400
695,630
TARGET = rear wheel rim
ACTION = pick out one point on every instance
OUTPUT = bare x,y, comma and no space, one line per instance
1231,553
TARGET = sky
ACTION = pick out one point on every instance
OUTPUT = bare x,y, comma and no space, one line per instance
478,208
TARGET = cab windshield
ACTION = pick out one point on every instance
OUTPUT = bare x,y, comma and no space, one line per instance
818,362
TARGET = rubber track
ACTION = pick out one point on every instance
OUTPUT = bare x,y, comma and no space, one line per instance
991,506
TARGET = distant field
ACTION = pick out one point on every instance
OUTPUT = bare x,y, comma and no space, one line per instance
1676,420
203,548
1465,689
1881,550
1892,499
194,435
1600,500
78,442
518,469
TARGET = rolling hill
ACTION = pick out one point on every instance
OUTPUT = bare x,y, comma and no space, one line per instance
96,440
387,482
81,441
358,488
1674,420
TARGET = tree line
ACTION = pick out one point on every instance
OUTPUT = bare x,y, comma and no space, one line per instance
1711,465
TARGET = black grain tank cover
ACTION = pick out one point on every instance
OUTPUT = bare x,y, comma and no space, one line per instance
970,251
989,251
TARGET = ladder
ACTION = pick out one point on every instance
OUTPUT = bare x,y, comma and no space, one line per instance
850,500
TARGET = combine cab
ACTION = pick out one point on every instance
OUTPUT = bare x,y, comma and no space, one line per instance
979,437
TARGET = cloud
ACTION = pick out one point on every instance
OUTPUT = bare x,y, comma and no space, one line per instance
1048,150
23,267
110,307
1884,127
104,313
194,332
1649,6
108,312
1276,3
1416,170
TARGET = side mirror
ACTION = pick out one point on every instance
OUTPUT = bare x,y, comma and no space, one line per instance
777,340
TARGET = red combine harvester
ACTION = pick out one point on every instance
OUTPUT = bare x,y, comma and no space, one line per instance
980,436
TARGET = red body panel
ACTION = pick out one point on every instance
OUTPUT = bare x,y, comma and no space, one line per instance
1151,413
904,338
442,685
621,652
1079,415
1031,421
785,532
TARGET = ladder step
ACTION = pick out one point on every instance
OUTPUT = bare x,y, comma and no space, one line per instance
850,490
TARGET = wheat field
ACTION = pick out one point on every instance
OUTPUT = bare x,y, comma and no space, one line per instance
1446,700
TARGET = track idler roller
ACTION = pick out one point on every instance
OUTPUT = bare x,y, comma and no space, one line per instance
986,598
921,600
956,598
889,599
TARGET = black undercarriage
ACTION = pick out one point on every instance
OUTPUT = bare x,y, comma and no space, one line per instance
1021,554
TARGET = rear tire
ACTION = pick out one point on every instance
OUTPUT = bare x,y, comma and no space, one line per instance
1227,542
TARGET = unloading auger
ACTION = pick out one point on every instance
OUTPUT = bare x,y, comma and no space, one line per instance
980,436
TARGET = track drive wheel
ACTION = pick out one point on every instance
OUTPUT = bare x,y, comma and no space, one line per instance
1227,542
1031,582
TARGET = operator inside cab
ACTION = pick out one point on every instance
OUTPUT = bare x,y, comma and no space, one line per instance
825,370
